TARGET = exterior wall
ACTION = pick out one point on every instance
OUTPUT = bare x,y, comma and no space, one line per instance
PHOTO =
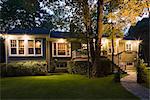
62,61
25,58
123,57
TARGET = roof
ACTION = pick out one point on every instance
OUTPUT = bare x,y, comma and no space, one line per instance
53,34
40,31
28,31
58,34
129,38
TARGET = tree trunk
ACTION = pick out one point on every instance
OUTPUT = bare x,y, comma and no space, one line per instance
112,41
96,72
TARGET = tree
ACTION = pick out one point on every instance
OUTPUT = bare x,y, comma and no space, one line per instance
20,14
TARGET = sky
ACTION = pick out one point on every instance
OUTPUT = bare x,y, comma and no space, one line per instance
61,2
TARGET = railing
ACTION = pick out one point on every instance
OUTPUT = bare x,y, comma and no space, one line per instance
79,54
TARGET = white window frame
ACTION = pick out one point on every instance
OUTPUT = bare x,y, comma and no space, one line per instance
13,47
26,53
57,50
34,48
127,47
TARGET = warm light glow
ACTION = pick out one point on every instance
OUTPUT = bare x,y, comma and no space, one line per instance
25,37
128,42
61,40
38,44
104,41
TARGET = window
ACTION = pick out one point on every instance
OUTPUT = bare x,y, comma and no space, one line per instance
26,47
38,47
61,49
21,46
30,46
13,47
128,47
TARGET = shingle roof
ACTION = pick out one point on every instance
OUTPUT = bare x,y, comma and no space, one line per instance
129,38
28,31
57,34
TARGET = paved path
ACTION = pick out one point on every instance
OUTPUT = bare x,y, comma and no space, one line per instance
129,82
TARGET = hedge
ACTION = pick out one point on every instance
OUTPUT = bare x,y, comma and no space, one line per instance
23,68
77,67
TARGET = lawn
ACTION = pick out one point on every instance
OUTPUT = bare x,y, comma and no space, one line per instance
65,86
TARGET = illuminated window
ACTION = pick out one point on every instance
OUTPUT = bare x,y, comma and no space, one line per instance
128,47
38,47
61,49
25,47
13,44
21,46
31,46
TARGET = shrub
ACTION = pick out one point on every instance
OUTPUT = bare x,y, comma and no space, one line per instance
141,72
24,68
102,67
53,65
77,67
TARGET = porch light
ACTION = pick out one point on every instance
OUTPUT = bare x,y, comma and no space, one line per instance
61,40
26,37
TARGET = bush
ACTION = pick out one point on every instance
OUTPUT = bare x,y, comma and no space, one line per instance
77,67
141,72
102,67
24,68
53,65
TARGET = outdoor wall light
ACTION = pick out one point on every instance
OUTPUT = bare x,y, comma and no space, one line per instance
61,40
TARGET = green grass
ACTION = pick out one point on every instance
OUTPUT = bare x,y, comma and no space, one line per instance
63,86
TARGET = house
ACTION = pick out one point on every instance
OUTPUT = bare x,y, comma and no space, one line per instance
41,44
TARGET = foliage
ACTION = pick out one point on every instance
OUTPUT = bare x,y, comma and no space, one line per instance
23,68
141,72
20,14
105,68
77,67
53,65
141,31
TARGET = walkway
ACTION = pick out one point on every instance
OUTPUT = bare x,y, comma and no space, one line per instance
129,82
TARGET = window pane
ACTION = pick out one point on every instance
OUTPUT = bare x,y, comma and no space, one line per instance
13,43
38,50
37,46
21,50
61,52
61,49
21,43
13,51
21,46
30,44
31,50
